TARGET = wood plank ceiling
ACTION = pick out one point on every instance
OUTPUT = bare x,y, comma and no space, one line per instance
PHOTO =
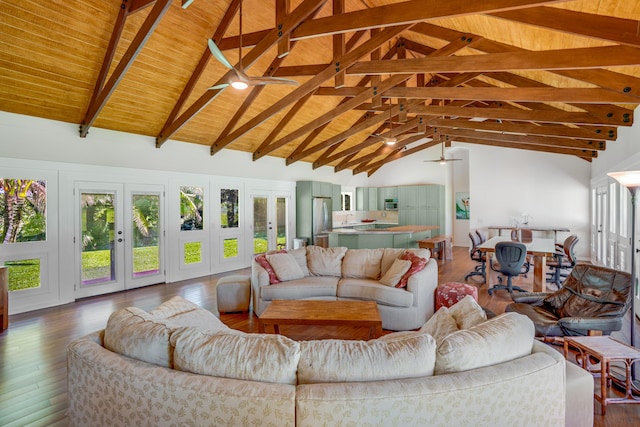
552,76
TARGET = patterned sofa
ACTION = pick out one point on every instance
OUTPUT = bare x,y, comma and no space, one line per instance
179,365
341,274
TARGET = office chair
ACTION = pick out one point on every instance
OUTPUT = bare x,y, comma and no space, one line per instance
478,256
511,257
563,260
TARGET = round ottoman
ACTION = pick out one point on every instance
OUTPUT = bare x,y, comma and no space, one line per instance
233,293
450,293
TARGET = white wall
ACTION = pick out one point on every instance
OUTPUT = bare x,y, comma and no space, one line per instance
32,138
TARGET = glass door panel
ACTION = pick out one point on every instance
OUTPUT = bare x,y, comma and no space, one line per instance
281,222
260,221
144,249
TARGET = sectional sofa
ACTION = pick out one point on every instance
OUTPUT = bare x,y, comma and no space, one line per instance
180,365
345,274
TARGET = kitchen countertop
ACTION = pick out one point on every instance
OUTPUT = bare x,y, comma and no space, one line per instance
402,229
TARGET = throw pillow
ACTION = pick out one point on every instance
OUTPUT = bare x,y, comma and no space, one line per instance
300,255
262,261
362,263
398,269
285,267
402,356
503,338
325,261
417,264
467,312
440,325
253,357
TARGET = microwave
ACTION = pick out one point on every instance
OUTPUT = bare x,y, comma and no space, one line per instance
390,204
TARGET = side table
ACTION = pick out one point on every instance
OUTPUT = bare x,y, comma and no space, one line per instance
606,350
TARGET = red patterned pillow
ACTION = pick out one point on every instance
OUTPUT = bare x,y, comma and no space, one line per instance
417,264
262,260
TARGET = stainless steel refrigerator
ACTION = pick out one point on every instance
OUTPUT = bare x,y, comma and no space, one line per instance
321,221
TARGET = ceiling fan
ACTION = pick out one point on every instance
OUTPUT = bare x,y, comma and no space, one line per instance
392,140
240,80
442,160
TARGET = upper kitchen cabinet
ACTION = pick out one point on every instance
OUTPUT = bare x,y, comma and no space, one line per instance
421,205
367,199
386,193
336,197
321,189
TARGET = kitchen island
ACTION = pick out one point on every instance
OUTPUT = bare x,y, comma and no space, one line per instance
403,236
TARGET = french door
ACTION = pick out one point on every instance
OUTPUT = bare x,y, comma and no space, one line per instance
599,225
119,239
270,222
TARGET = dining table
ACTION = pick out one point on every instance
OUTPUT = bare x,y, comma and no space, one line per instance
554,230
538,248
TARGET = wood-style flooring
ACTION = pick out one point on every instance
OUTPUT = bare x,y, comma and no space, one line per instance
33,360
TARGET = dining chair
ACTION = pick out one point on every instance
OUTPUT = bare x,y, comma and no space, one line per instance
563,261
478,256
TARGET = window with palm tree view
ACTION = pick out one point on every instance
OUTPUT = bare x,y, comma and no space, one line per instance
23,205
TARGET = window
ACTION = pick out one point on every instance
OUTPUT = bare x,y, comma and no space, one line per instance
346,202
228,208
191,208
23,274
192,253
23,205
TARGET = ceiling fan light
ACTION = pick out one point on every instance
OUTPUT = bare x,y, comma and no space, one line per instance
391,141
240,85
442,162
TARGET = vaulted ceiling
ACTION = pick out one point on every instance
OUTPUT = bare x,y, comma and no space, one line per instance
552,76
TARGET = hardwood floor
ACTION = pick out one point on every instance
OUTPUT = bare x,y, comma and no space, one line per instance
33,369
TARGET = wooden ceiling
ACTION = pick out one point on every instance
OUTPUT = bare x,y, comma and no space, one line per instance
552,76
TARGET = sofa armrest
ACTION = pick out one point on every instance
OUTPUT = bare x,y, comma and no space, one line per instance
423,286
259,278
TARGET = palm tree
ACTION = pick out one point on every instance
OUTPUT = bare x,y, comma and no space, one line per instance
20,202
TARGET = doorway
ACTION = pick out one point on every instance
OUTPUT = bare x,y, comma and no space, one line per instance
119,238
269,224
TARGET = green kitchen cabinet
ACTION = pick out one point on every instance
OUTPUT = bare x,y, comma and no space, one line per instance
373,199
336,197
422,205
386,193
362,198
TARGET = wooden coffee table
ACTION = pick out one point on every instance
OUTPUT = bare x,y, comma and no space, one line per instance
606,350
311,312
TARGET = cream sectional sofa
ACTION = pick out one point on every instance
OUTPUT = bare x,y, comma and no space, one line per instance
179,365
347,274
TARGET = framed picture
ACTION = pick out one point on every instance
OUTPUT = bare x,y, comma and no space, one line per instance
462,205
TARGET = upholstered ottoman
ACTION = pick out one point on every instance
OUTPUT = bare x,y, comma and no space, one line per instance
233,293
450,293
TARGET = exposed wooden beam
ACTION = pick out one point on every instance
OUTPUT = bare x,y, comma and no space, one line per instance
529,139
582,153
338,45
597,133
375,80
408,12
383,149
608,28
591,57
302,12
599,77
284,44
148,26
395,156
521,115
281,125
520,94
223,26
313,83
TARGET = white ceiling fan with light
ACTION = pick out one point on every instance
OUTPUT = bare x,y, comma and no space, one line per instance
239,79
442,160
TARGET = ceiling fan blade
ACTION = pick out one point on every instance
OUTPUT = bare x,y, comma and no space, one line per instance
258,81
220,86
217,53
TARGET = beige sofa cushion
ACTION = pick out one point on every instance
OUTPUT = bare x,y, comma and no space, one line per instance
372,290
404,356
309,287
144,336
300,256
440,325
253,357
395,272
362,263
285,266
467,313
325,261
500,339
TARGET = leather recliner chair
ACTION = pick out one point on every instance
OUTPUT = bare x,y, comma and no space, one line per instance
592,298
